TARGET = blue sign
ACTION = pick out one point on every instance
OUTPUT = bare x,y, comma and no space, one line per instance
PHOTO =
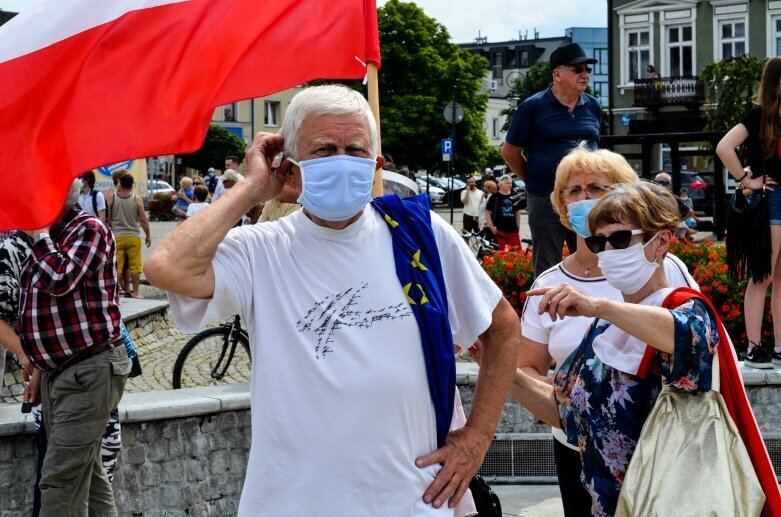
625,119
447,146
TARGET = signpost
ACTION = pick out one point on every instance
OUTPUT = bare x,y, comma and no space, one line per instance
454,113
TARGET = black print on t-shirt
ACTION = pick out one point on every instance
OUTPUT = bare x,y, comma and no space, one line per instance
342,310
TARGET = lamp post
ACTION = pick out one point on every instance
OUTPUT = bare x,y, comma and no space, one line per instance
454,113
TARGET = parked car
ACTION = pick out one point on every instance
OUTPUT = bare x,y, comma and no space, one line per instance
699,188
155,188
435,193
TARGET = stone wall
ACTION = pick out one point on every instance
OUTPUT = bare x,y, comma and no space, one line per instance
190,465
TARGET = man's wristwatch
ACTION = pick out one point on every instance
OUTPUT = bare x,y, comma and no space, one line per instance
40,236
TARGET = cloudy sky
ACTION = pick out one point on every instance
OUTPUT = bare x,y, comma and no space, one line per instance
499,20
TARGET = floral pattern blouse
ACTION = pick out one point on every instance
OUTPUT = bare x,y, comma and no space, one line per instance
603,409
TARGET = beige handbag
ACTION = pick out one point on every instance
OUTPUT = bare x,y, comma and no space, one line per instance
690,461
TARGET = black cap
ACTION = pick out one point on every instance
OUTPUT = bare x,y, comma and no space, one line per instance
571,54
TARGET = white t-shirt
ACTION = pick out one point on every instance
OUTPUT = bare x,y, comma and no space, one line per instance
471,200
340,399
195,207
85,202
563,336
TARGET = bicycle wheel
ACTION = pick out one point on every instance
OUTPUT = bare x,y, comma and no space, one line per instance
212,358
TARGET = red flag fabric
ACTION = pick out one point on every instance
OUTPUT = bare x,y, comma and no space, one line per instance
734,395
88,83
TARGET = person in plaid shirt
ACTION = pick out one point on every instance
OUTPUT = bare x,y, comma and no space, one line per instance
69,327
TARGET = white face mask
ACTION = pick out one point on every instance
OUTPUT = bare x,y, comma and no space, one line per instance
337,187
627,270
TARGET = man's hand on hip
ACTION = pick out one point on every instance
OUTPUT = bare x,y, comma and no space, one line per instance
461,458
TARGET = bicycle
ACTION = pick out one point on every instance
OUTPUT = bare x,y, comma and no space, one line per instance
214,357
480,244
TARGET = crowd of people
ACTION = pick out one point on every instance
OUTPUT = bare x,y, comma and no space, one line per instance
602,331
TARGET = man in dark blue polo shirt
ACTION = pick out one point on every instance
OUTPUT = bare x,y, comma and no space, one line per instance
545,128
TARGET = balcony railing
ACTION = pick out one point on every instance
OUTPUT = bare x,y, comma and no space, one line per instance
668,91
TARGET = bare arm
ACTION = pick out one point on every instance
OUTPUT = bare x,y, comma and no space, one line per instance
143,221
463,454
515,159
182,262
652,325
10,341
726,151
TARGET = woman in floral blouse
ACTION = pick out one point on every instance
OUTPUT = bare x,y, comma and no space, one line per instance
604,391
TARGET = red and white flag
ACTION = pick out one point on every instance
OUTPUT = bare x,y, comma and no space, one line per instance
85,83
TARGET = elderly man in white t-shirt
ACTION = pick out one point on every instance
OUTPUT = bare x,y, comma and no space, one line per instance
342,417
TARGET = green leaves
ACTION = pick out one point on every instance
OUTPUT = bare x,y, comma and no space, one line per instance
730,86
218,144
422,72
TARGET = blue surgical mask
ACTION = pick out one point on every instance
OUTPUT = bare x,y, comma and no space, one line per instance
336,188
577,213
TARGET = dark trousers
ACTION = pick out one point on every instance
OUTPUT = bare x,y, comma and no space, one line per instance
548,234
470,223
574,497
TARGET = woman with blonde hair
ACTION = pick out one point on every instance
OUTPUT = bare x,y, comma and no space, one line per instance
583,177
760,131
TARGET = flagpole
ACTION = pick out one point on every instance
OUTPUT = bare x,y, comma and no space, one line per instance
374,103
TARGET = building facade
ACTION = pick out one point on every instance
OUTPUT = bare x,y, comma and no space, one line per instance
679,38
248,117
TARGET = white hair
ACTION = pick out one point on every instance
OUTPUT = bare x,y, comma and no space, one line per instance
331,99
73,195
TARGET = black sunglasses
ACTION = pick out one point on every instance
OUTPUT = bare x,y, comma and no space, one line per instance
662,182
578,69
618,240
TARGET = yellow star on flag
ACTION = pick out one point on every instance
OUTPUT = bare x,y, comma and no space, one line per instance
416,261
424,298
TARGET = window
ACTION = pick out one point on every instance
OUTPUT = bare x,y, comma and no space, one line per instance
732,38
271,117
497,128
775,35
229,112
638,52
679,44
524,58
602,92
601,55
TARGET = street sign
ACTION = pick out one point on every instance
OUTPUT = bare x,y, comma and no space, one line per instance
453,113
447,149
625,119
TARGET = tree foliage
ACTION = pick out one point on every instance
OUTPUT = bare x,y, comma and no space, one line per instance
421,73
730,86
218,144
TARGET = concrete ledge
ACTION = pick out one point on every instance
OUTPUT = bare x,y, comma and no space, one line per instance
134,308
148,406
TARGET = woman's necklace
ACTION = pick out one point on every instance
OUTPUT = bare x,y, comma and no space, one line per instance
586,269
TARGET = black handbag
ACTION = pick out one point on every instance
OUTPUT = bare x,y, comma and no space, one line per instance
748,236
486,501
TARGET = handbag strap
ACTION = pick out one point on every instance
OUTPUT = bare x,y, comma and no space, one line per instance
715,383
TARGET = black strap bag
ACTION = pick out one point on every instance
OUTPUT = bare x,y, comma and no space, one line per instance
486,501
748,236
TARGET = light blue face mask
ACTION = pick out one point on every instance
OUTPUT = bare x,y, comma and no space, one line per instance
577,213
337,187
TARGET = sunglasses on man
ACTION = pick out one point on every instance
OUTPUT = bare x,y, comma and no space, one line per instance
663,183
578,69
618,240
